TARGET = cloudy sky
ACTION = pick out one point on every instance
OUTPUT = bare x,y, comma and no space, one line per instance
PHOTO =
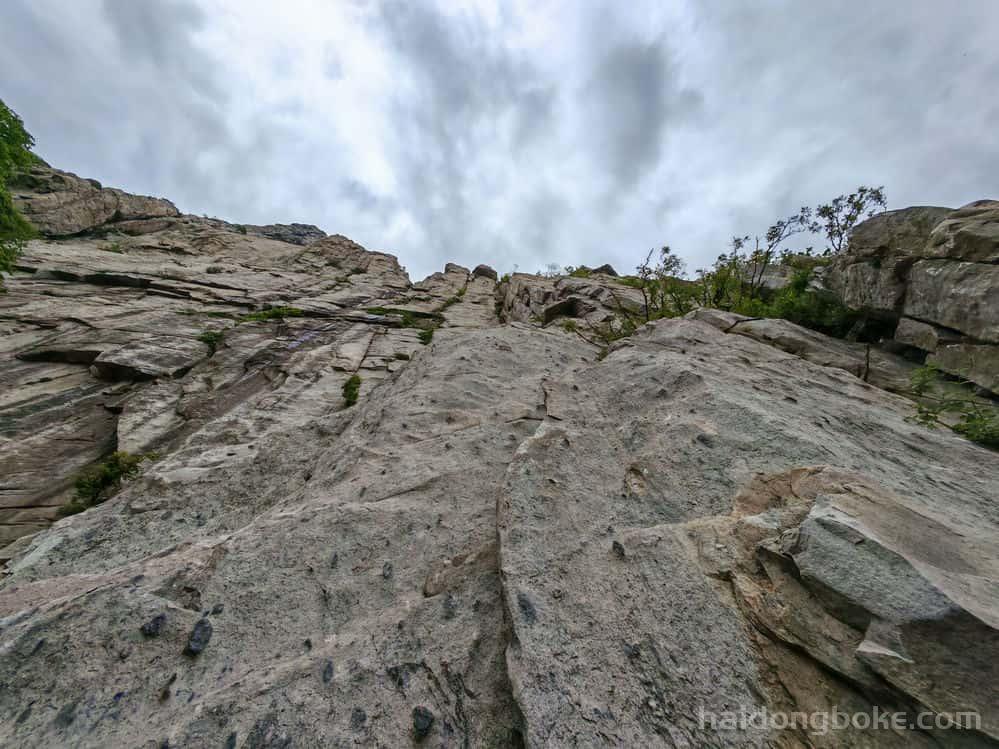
514,133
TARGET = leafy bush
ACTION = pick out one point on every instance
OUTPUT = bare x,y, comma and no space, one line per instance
99,482
426,336
351,388
212,338
274,313
975,419
817,310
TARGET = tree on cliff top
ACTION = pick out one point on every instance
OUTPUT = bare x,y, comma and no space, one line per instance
15,154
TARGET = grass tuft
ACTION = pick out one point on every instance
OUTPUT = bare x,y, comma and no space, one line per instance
351,388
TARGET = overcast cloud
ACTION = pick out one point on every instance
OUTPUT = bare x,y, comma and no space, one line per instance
516,133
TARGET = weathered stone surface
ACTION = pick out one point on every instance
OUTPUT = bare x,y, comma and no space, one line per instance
921,335
868,362
958,295
507,541
59,203
484,271
593,299
871,274
977,363
935,272
970,233
293,233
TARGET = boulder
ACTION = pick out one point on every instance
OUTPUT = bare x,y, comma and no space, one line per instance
922,335
484,271
970,234
978,363
871,274
59,203
955,294
936,273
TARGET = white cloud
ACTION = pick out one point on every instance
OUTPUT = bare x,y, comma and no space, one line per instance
515,133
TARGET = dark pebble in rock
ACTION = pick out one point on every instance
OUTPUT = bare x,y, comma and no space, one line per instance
66,715
423,721
358,718
218,608
328,672
527,609
154,626
200,636
387,570
618,549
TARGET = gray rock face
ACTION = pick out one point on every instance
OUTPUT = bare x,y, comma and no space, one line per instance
506,541
872,274
934,271
59,203
594,300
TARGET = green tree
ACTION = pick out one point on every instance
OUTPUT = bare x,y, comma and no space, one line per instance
837,218
15,154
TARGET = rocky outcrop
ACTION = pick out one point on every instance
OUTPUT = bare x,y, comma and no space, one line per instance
933,272
872,274
594,299
511,539
59,203
132,342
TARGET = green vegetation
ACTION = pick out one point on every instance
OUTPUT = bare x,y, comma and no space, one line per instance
101,481
212,338
737,282
15,155
241,229
274,313
425,322
113,247
351,388
974,418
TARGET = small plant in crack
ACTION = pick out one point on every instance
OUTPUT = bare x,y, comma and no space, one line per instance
351,389
274,313
100,482
212,339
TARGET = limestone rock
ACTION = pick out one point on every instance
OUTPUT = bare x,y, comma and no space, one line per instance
970,233
935,273
484,271
871,274
59,203
958,295
977,363
922,335
868,362
509,540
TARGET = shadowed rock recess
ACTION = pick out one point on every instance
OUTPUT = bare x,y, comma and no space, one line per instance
509,540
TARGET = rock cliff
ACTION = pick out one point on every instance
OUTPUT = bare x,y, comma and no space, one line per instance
934,274
511,539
